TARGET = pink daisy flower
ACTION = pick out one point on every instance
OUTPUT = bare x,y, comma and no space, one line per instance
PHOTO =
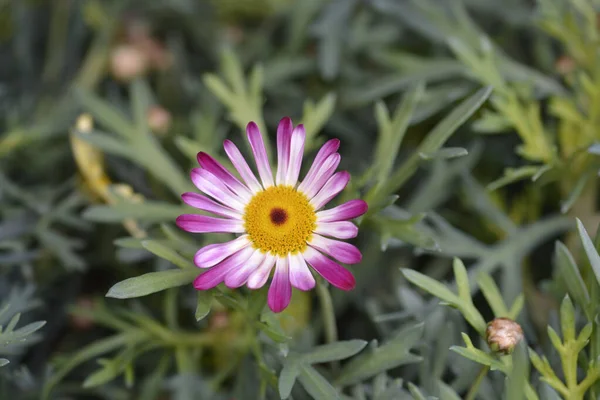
280,220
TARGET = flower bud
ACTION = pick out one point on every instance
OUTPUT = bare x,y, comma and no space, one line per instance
127,62
565,65
159,120
502,335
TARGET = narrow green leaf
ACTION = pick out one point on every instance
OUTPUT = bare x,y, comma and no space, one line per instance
141,96
415,392
107,143
566,205
314,118
129,243
590,250
150,211
3,362
390,142
334,351
567,319
391,354
512,175
162,251
287,377
203,304
152,282
518,377
480,357
571,276
316,385
431,285
462,279
554,338
107,115
277,335
218,88
445,153
458,116
492,295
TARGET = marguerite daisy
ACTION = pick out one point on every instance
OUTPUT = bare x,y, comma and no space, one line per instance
280,221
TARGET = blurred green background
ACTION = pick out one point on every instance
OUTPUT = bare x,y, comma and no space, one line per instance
470,127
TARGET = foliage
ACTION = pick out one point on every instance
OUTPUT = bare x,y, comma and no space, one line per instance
476,151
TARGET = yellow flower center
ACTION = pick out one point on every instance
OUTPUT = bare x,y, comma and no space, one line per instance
280,220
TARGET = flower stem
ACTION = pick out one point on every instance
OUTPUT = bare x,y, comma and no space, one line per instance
329,324
475,386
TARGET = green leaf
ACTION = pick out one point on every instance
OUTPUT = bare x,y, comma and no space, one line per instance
415,392
567,319
404,230
162,251
316,115
432,286
478,356
287,377
458,116
516,382
107,143
566,205
391,354
391,133
445,153
571,276
203,304
152,282
334,351
316,385
590,250
104,113
462,279
512,175
437,137
129,243
274,333
3,362
149,211
492,294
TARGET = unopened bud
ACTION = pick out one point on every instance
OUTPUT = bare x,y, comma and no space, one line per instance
503,334
564,65
159,120
127,62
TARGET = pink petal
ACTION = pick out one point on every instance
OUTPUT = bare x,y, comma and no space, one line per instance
240,164
341,251
218,170
216,274
300,275
213,254
284,135
212,186
330,147
339,229
260,154
332,188
334,273
296,153
204,203
280,292
259,277
239,276
203,224
312,186
348,210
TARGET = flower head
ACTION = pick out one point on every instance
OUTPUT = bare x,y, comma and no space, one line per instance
281,221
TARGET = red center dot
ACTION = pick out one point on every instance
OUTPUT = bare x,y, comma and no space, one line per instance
278,216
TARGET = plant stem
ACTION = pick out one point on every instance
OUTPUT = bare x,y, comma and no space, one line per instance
329,324
471,395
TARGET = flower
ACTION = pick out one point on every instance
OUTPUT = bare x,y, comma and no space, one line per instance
503,334
281,221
